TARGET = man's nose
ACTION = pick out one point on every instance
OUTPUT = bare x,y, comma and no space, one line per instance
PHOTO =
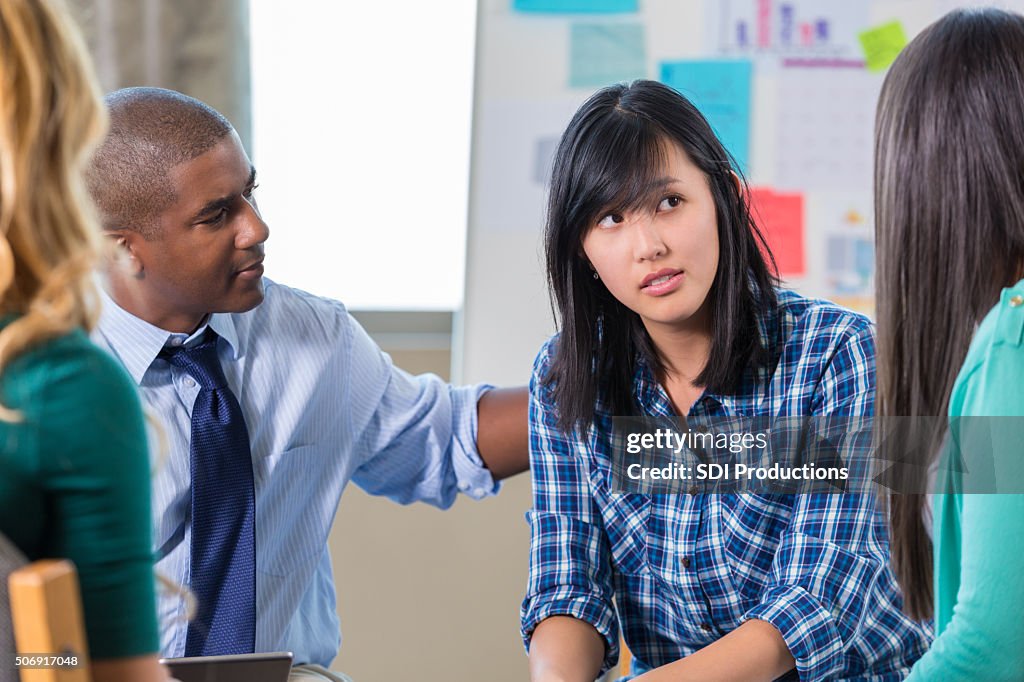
253,231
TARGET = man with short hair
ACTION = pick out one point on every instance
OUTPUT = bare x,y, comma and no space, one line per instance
271,399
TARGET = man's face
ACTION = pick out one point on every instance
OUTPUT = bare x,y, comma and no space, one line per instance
207,256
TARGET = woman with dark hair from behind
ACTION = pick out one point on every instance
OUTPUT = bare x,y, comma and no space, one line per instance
75,481
949,186
667,307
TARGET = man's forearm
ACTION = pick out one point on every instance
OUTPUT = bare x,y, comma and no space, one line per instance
753,651
502,437
565,649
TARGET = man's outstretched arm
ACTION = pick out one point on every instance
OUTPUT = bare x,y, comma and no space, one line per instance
502,437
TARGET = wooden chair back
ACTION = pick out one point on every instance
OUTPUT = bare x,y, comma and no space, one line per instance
46,611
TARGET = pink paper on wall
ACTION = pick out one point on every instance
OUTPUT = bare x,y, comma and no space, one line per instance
780,216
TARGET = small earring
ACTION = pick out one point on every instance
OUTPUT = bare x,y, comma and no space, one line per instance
596,276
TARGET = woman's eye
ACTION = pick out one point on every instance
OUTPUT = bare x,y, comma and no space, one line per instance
669,203
610,220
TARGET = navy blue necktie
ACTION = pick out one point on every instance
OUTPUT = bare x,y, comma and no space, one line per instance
223,510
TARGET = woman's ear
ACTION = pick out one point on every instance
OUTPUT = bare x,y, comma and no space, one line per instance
736,181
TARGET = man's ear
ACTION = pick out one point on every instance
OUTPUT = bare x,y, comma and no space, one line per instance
122,252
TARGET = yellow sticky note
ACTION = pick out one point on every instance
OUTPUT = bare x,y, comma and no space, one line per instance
881,45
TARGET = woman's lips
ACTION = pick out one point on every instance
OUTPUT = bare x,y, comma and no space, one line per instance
662,282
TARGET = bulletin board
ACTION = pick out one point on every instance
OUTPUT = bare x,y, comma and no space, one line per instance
790,86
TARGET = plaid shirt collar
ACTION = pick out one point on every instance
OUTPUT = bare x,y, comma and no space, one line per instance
653,400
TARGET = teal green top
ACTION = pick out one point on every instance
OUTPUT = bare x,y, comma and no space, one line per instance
75,483
979,536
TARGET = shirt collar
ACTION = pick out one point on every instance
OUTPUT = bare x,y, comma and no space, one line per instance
224,325
654,400
137,342
752,390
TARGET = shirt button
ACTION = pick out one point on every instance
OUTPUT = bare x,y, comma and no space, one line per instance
479,492
190,382
685,561
463,487
705,627
694,490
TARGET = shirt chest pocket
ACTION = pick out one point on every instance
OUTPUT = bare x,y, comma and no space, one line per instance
750,527
626,519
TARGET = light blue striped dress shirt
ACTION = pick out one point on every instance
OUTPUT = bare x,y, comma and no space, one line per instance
324,405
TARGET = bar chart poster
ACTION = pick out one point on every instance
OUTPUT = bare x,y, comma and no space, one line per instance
788,29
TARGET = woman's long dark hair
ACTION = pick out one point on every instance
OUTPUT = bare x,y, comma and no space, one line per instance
949,228
606,161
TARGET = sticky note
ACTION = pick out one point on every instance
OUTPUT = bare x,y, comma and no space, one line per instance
780,217
602,54
575,6
721,90
881,45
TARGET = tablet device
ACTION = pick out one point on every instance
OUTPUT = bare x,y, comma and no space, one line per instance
273,667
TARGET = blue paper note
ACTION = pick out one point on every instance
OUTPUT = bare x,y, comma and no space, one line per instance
721,90
575,6
602,54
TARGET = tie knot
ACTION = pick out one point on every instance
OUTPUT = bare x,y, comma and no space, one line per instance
199,361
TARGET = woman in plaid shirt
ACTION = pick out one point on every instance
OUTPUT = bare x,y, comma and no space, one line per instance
667,307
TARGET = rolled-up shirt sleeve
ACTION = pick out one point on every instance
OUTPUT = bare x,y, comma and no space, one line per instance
472,475
415,435
822,578
570,569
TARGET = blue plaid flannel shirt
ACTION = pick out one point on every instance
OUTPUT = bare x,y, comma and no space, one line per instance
684,570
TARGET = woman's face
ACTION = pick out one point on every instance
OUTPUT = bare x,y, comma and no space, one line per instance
660,260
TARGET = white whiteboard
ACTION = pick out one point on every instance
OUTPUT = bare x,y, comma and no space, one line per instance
810,132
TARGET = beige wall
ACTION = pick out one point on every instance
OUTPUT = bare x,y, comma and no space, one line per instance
429,595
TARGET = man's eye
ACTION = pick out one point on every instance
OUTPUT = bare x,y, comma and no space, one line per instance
669,203
217,218
610,220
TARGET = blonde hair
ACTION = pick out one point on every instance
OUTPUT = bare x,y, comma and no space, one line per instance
51,117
